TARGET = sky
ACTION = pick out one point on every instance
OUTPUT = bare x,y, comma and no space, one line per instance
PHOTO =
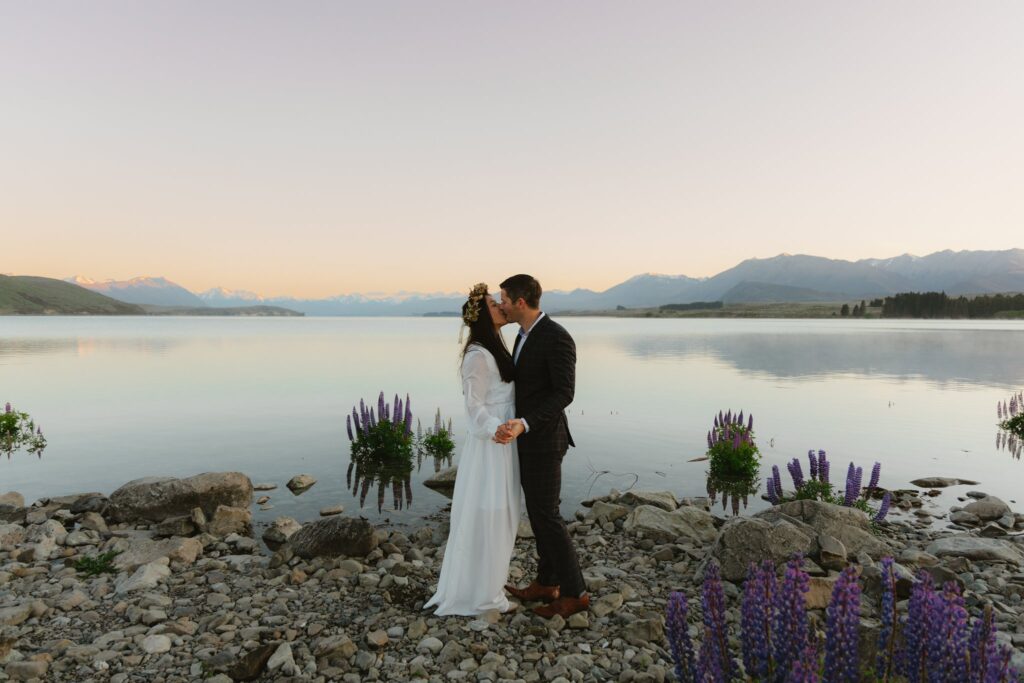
321,148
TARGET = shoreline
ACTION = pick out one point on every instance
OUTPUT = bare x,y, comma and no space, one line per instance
196,598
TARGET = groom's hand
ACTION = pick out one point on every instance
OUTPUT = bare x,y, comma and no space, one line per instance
503,435
515,428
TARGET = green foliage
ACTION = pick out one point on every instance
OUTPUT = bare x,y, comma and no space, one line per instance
941,305
728,462
94,565
24,294
384,442
19,431
1014,425
439,445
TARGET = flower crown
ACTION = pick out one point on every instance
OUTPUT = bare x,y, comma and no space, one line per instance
472,309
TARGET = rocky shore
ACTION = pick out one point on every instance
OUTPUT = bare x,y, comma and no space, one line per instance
190,594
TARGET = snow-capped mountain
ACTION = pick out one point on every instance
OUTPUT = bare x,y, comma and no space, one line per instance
141,290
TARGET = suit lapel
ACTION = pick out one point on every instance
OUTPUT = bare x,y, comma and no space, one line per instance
535,333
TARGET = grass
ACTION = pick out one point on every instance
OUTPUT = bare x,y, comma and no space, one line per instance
94,565
28,295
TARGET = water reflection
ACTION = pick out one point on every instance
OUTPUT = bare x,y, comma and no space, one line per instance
942,356
734,491
1008,441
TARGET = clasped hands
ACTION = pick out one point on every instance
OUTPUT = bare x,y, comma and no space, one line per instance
508,432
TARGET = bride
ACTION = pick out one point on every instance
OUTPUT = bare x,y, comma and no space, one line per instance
485,506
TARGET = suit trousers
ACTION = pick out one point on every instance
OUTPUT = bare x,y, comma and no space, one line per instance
541,477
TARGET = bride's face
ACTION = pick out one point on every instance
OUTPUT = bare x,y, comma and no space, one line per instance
497,316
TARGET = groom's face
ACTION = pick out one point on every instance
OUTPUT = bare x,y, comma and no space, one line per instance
508,307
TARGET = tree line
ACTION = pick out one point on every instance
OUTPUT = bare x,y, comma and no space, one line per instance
941,305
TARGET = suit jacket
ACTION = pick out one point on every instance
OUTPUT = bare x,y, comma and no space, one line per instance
545,384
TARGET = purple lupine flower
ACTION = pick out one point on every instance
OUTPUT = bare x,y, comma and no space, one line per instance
805,668
380,405
841,629
408,413
709,441
913,658
797,473
756,619
715,665
373,418
398,408
773,496
852,487
823,467
883,509
790,634
7,408
777,479
876,472
887,634
728,417
814,464
739,420
950,642
750,423
348,427
679,637
999,409
737,442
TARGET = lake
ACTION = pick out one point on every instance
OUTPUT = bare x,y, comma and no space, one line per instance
126,397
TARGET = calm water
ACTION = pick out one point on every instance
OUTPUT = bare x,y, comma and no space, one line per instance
121,398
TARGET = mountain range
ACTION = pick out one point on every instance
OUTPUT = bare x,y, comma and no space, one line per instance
782,278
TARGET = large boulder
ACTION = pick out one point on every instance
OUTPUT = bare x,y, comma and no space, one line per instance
280,530
743,540
13,498
977,549
155,499
333,537
848,525
230,520
663,526
941,482
11,536
988,508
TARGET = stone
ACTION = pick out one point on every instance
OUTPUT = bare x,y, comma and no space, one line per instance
13,498
182,525
333,510
93,521
264,487
335,646
642,632
250,666
992,531
608,512
45,538
11,536
666,500
156,644
145,577
848,525
27,669
819,591
230,520
282,658
977,549
964,517
443,482
377,639
430,644
831,552
663,526
89,502
743,540
525,529
16,614
12,514
280,530
75,539
145,551
155,499
300,483
941,482
988,508
335,536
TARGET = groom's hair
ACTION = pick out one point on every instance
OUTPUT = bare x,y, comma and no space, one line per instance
523,287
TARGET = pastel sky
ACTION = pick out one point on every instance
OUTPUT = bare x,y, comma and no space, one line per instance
320,148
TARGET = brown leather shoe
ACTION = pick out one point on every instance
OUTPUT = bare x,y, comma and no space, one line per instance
564,607
535,591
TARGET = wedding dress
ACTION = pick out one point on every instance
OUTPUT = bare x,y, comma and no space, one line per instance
485,505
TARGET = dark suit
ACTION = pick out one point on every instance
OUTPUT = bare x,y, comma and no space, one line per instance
545,385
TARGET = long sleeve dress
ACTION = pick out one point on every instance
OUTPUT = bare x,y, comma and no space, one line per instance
485,505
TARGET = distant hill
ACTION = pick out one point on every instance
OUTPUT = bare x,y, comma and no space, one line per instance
762,292
28,295
157,291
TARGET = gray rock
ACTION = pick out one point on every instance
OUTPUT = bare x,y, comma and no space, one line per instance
182,525
988,508
16,614
964,517
430,644
144,551
941,482
145,577
663,526
156,644
334,536
608,512
300,483
977,549
81,537
666,500
94,522
264,487
281,530
26,670
156,498
90,502
250,666
45,538
443,482
229,520
281,659
13,498
743,540
831,552
11,536
332,510
849,525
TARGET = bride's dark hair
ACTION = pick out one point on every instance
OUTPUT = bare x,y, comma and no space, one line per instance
477,317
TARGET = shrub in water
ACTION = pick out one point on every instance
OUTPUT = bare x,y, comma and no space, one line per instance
18,431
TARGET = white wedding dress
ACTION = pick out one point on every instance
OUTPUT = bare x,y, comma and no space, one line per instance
485,506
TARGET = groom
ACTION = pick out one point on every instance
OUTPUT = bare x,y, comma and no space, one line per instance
545,358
